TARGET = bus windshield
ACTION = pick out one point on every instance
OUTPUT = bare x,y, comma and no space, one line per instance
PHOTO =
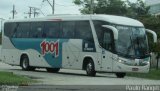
132,42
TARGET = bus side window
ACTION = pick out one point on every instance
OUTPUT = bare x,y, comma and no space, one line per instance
22,30
17,34
36,30
108,39
68,29
99,30
52,29
83,31
9,29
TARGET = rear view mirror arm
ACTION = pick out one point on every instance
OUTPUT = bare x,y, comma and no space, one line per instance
115,31
154,35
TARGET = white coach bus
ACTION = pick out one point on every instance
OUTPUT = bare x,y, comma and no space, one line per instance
95,43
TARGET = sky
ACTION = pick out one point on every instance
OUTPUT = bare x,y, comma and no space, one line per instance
22,7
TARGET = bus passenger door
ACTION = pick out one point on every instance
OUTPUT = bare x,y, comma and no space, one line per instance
107,44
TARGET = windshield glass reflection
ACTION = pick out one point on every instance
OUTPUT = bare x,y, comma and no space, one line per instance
132,42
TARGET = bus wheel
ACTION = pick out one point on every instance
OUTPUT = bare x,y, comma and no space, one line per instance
53,70
120,75
90,69
25,63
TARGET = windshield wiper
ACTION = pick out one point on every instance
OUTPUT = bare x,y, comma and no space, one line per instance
125,55
140,48
132,46
132,43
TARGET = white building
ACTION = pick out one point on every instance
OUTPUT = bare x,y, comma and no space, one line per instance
154,6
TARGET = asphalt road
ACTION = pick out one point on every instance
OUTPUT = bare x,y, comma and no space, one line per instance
75,80
76,77
70,88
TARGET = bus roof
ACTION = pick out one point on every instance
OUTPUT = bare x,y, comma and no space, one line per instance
120,20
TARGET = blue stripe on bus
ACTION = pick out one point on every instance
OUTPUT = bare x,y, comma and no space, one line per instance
51,59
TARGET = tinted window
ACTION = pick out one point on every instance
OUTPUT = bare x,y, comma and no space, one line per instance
36,30
52,30
83,30
9,29
99,29
22,30
107,40
68,29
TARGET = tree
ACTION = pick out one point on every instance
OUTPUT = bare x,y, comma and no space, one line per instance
137,9
0,37
117,7
84,4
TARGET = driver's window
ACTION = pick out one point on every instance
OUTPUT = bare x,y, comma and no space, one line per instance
107,41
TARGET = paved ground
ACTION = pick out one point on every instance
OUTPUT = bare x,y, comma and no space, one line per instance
78,88
75,80
76,77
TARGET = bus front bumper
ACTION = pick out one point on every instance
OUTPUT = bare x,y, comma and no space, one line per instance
120,67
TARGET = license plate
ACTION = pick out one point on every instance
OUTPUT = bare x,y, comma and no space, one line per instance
135,69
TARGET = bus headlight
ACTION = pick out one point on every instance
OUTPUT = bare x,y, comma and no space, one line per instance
120,61
123,62
145,63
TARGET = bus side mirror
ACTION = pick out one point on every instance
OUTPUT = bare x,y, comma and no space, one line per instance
115,31
154,35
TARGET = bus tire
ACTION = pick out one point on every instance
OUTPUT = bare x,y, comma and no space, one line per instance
90,70
120,75
25,64
53,70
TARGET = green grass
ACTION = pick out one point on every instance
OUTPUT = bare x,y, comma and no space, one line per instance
8,78
153,74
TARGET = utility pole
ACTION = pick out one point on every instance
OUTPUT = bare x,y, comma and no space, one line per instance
1,23
33,10
30,12
91,6
53,9
1,28
13,12
52,5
